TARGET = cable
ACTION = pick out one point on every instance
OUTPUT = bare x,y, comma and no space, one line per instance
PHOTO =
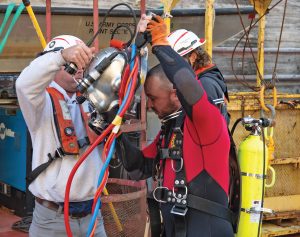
12,24
71,67
8,12
89,43
246,33
122,110
72,174
263,180
110,144
98,205
279,41
234,125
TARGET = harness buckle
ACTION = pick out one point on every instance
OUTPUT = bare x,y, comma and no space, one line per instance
159,191
83,142
181,165
180,197
60,153
178,210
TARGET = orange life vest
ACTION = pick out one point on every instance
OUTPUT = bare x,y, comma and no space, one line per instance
64,125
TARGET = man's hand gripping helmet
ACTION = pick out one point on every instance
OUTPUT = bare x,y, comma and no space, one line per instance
184,41
61,42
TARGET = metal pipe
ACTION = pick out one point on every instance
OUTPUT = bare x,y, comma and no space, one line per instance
117,12
48,20
96,23
229,50
143,7
280,77
260,52
209,25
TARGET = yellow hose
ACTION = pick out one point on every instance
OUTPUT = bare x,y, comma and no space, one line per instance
36,26
113,212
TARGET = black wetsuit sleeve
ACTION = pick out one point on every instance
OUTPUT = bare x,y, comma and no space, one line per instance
182,76
135,163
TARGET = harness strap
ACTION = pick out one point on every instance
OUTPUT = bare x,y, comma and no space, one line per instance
209,207
59,153
198,203
38,170
154,215
180,190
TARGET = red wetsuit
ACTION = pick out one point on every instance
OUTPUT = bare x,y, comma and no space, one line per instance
205,151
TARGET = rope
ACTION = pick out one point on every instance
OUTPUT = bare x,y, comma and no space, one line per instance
246,33
8,12
277,53
13,22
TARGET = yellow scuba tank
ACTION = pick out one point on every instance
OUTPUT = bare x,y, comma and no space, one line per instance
252,155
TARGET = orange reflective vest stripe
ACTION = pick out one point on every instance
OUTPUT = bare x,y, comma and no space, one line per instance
64,124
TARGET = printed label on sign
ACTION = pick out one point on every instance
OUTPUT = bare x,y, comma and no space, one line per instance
65,110
5,132
255,217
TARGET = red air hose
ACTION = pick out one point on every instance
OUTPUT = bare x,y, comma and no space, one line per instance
133,74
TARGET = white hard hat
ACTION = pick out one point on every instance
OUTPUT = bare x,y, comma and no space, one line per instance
62,42
184,41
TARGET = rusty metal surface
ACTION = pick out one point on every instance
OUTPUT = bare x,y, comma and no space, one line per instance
287,181
23,45
124,207
286,130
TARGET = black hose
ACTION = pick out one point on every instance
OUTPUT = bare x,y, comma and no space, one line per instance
89,43
263,183
234,125
72,68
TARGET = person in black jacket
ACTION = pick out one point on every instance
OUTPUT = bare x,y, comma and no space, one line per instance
188,45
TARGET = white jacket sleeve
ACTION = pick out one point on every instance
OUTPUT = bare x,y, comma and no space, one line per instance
32,83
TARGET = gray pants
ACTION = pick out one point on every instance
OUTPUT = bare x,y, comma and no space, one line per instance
49,223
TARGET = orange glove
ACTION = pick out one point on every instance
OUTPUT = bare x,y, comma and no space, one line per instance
158,30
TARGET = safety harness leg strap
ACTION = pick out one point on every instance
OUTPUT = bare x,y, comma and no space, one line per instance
155,218
180,191
210,207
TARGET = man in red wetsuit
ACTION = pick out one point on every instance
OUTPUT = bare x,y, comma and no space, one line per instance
189,157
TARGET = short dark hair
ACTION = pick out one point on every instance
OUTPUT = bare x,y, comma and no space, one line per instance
157,71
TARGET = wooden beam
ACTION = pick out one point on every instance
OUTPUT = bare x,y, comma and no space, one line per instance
283,203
